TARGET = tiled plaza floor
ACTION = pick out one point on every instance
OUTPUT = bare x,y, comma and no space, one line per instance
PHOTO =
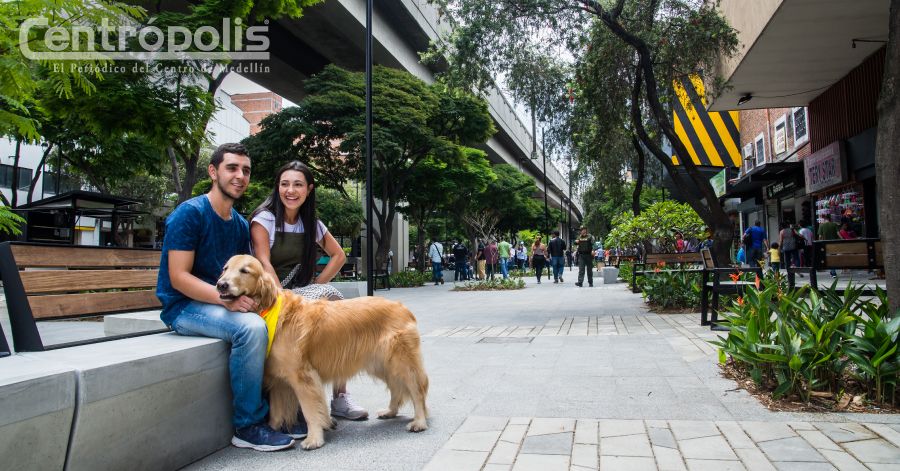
560,377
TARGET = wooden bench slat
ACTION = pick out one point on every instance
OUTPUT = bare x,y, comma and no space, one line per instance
50,256
847,261
879,254
58,281
846,248
65,305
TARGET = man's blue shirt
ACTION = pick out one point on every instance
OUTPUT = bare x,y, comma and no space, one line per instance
195,226
757,235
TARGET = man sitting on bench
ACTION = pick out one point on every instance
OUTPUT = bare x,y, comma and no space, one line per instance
201,235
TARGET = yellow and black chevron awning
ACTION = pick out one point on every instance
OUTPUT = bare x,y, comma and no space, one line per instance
711,138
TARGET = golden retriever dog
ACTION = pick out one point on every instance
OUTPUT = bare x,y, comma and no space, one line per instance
320,342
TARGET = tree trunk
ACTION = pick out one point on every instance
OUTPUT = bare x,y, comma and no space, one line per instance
15,175
38,171
639,181
886,162
190,176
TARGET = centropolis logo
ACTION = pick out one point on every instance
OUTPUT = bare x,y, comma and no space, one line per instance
80,42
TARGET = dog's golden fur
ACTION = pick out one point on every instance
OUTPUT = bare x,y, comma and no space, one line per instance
320,342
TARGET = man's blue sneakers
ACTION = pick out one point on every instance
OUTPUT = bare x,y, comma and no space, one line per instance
299,429
261,437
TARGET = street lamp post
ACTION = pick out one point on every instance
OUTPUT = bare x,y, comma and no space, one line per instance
370,240
546,211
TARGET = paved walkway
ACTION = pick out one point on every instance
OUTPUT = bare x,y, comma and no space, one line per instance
560,377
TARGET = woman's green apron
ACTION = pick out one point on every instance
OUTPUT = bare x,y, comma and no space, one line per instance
286,253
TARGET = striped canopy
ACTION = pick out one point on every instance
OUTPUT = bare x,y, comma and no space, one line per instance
712,139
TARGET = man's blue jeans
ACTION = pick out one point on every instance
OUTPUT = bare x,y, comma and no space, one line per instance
557,263
248,336
437,274
504,267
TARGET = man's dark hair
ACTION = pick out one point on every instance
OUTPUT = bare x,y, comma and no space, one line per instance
228,148
555,233
758,223
827,217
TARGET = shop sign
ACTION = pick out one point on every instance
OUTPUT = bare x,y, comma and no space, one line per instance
778,189
825,168
718,183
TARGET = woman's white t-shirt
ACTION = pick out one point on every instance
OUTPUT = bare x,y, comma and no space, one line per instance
267,220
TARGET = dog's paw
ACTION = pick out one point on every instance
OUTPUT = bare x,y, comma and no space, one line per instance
311,443
387,414
333,424
417,426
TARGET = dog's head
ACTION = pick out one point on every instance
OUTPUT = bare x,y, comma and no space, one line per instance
243,275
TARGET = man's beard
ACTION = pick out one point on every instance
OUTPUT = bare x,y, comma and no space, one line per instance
224,189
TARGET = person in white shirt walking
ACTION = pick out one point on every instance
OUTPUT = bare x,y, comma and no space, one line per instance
436,253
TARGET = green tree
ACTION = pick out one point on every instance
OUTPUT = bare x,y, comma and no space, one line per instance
656,225
196,81
636,47
412,122
21,76
342,216
606,200
434,185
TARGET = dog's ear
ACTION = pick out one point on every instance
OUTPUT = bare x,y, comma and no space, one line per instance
268,290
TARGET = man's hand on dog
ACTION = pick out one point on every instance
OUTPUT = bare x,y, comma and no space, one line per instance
241,304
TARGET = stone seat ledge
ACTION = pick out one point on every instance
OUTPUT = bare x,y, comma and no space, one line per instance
38,403
153,402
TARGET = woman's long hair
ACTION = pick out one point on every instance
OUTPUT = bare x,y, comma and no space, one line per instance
307,216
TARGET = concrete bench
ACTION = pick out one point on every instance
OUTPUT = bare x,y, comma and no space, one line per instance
157,401
151,402
38,398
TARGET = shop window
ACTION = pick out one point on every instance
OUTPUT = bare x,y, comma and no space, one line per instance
801,131
780,135
6,177
748,157
760,142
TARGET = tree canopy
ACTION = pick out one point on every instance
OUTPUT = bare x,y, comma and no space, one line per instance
624,56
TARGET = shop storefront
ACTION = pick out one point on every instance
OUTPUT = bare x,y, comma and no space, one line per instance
842,184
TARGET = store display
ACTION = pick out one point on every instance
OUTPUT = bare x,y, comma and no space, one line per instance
843,206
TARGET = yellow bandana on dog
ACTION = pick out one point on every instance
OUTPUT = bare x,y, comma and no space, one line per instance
271,317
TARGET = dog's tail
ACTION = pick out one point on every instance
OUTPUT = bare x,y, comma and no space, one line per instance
408,368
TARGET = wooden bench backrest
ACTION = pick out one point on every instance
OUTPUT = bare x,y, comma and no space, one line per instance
686,257
858,253
61,281
708,262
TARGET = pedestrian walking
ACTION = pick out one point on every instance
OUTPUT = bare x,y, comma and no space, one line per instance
787,240
569,258
521,256
491,256
503,249
807,246
756,241
436,254
538,257
828,231
585,248
460,257
480,262
557,249
775,257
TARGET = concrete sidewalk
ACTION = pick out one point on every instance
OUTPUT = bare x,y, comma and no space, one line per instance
561,377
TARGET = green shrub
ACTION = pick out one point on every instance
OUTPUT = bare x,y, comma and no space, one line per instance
671,289
801,341
409,279
625,270
497,284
